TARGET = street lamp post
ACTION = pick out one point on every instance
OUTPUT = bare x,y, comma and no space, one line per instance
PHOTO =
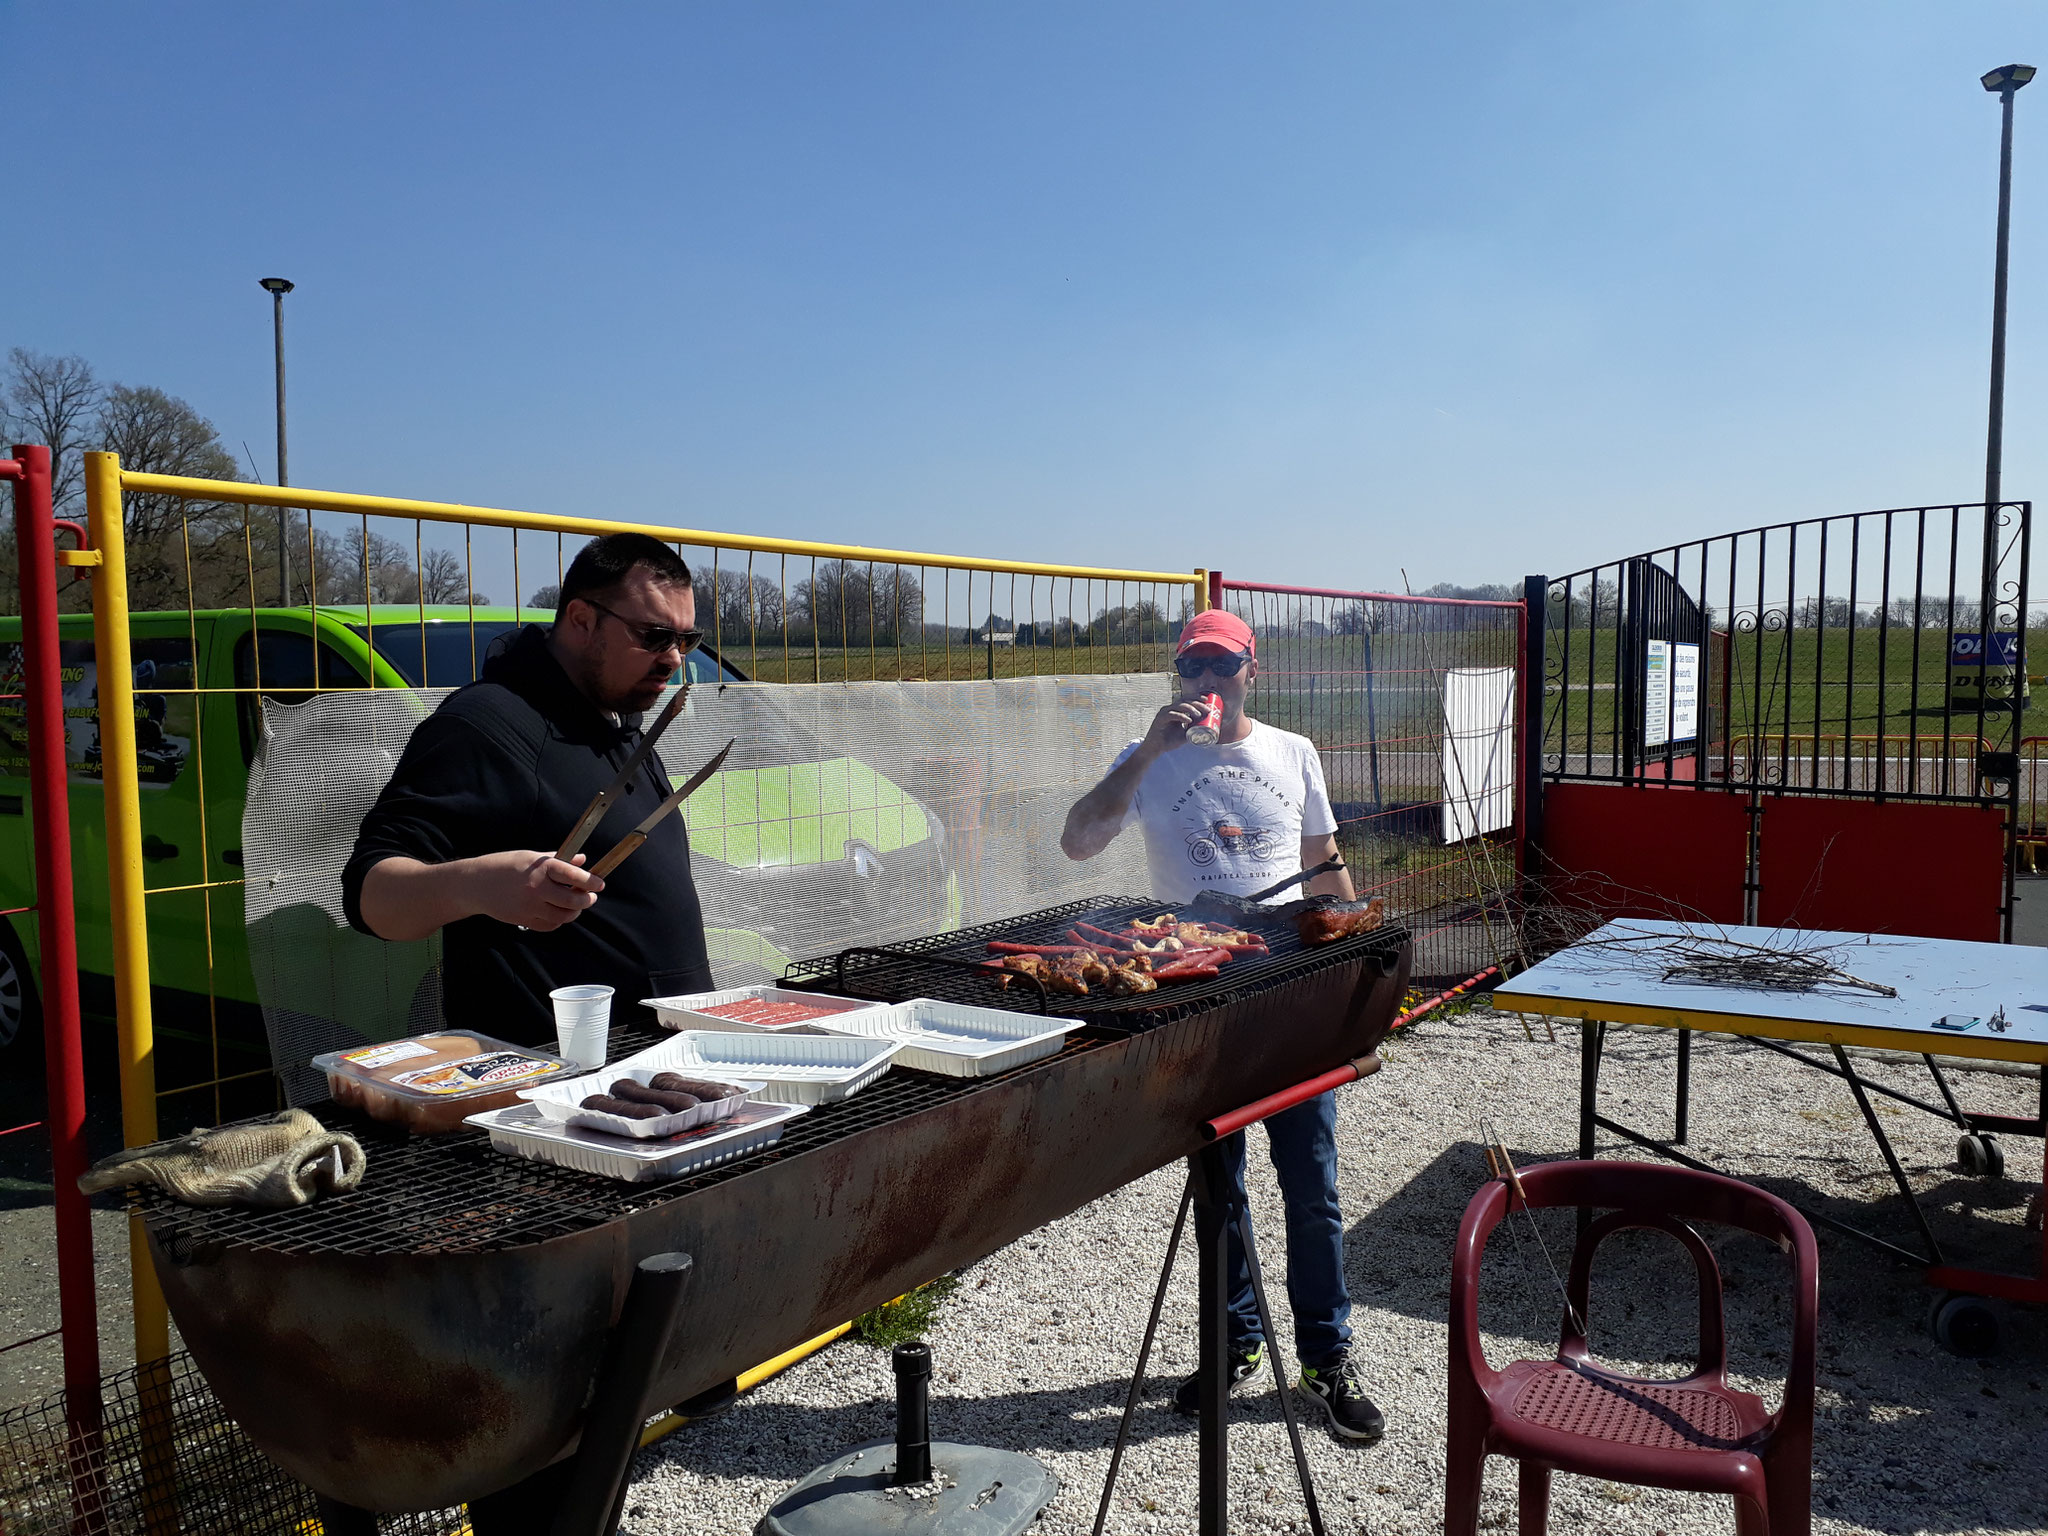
2004,82
278,287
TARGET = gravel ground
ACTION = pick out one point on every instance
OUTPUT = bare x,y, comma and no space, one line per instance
1033,1354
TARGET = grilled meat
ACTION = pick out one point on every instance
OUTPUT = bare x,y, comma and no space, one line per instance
1129,981
1068,974
1322,925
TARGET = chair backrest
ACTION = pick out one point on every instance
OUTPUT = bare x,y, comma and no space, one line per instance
1578,1319
1647,1194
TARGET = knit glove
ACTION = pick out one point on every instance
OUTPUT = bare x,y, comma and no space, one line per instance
271,1165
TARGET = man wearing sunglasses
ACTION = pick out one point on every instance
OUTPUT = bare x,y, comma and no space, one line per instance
459,840
1241,814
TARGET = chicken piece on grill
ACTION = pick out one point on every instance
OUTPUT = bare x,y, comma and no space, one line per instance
1029,965
1323,925
1199,935
1067,974
1095,968
1129,981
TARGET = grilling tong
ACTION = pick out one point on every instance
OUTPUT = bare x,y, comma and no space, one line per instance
593,813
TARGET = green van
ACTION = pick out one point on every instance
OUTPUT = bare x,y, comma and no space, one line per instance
791,843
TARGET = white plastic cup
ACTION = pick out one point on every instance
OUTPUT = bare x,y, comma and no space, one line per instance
583,1024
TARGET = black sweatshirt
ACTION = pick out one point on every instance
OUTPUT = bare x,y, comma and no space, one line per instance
510,761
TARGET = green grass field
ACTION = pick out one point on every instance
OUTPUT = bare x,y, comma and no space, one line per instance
1798,683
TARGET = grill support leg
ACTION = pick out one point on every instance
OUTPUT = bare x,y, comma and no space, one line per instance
1251,1261
1213,1199
344,1519
1123,1428
611,1433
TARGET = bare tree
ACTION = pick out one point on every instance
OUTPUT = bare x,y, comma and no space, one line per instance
735,610
53,401
179,551
444,580
853,603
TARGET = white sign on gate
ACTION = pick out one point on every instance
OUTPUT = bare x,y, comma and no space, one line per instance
1657,694
1685,693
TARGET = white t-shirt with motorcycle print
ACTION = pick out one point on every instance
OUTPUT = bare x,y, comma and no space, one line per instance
1230,816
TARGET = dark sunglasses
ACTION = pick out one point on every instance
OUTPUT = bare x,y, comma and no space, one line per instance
1222,666
652,638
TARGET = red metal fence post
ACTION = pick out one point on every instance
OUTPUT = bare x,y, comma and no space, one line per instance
49,796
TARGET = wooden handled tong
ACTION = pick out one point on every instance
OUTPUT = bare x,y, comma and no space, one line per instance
628,845
593,813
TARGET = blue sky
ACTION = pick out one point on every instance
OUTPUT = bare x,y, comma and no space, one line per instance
1312,293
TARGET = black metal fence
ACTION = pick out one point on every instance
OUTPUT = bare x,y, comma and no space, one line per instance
1414,705
1876,654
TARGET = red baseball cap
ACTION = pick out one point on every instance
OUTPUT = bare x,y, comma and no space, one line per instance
1220,628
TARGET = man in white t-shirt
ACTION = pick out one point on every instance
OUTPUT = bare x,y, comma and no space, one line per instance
1239,815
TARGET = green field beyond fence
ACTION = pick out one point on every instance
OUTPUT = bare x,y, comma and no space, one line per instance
1836,682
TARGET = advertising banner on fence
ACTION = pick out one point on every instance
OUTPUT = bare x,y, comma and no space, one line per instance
1970,679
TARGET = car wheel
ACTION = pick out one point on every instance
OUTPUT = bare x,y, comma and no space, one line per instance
19,1008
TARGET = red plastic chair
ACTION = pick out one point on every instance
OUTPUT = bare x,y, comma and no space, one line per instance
1570,1414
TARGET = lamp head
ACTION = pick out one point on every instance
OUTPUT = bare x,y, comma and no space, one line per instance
284,285
2008,78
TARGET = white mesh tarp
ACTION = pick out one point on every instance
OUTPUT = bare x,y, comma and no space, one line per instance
848,814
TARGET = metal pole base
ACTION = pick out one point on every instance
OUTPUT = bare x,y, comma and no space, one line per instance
974,1491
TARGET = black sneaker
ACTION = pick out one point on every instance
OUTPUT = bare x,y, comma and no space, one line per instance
1335,1388
1245,1361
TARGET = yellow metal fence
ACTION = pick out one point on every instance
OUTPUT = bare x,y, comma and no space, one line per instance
208,596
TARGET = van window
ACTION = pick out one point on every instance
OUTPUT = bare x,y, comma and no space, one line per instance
293,670
441,654
444,654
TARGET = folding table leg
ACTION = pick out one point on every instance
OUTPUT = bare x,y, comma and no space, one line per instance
1891,1158
1955,1110
1592,1040
1684,1110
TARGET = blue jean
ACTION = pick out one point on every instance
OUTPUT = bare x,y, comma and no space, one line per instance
1304,1147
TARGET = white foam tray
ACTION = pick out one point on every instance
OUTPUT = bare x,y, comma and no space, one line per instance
957,1040
523,1131
791,1068
687,1010
563,1101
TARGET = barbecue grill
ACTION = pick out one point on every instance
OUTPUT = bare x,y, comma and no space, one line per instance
432,1336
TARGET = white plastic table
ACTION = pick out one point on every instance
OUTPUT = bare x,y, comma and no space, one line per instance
1953,998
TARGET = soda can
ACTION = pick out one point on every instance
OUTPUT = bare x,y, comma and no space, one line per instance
1205,730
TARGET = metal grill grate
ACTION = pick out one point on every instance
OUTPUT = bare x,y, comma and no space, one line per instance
948,965
453,1194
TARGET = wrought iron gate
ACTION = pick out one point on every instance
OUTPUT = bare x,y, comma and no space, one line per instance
1872,659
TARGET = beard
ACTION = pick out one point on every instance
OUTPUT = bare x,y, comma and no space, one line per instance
633,697
638,698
